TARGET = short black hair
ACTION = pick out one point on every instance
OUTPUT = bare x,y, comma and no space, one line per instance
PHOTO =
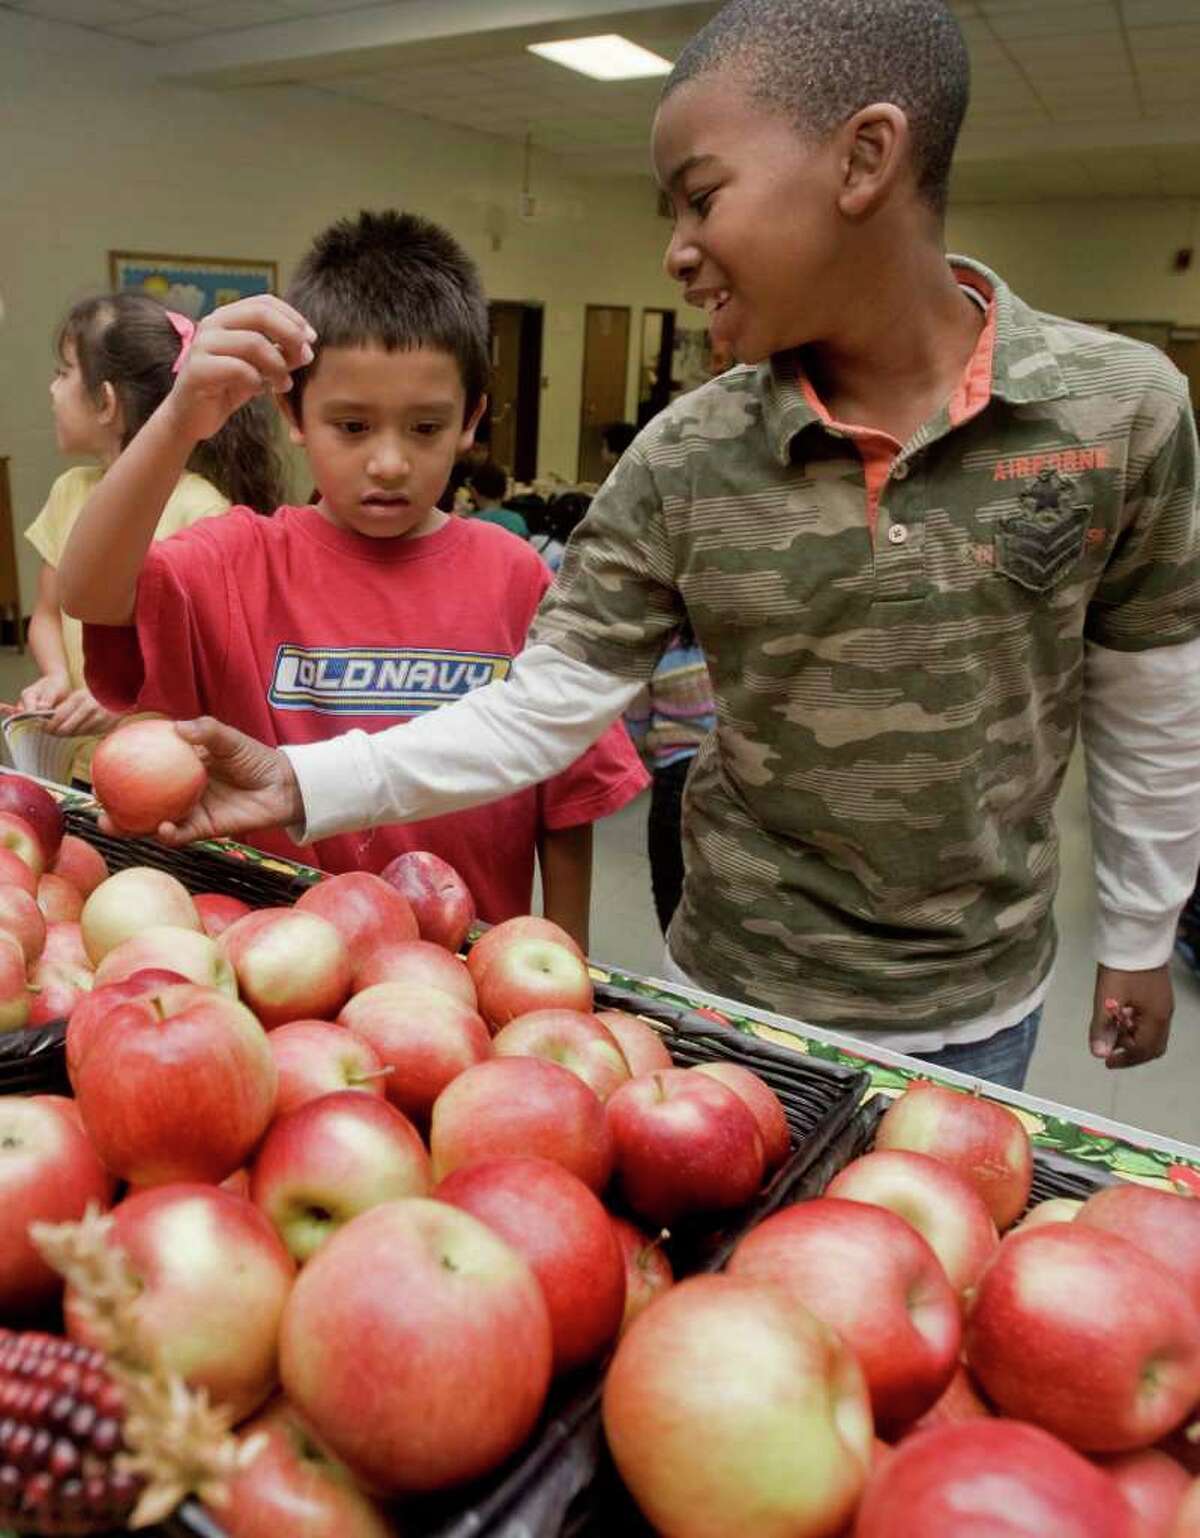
821,61
618,436
397,281
489,479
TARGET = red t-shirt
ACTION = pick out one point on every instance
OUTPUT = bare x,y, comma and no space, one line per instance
294,630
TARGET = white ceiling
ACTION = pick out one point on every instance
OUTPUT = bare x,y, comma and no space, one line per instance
1071,98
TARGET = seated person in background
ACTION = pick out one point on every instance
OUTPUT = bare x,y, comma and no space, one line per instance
371,607
557,524
487,485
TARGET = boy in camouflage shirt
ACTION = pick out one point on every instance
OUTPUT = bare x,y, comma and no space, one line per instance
921,532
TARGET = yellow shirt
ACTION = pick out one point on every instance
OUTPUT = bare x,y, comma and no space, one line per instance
193,498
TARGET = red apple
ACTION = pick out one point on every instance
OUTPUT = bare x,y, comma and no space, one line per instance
1082,1333
730,1410
528,927
427,1038
959,1402
289,965
315,1058
1162,1223
335,1157
61,975
81,864
647,1270
941,1205
991,1479
18,836
60,901
64,1105
683,1143
15,872
420,962
440,900
416,1345
33,802
144,774
176,1085
567,1036
214,1281
15,998
21,918
49,1173
763,1103
88,1012
643,1047
1187,1521
553,1220
218,910
364,910
1153,1484
133,900
166,947
521,1105
1055,1209
533,974
875,1281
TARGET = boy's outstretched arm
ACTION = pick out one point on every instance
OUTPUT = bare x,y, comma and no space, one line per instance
565,860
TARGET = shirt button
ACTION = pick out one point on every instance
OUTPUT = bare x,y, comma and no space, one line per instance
900,470
897,533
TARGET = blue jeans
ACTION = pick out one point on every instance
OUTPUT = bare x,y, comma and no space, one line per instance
1002,1059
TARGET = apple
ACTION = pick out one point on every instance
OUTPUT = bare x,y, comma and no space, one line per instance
49,1173
15,872
59,900
1055,1209
1162,1223
730,1410
683,1143
33,802
529,926
643,1048
986,1478
577,1041
959,1401
81,864
166,947
16,1000
19,837
982,1139
289,965
551,1218
416,1345
214,1281
88,1012
291,1486
61,975
763,1103
315,1058
133,900
145,774
1187,1521
1153,1484
440,899
521,1105
648,1272
21,918
533,974
873,1279
176,1085
1080,1332
417,961
364,910
941,1205
218,910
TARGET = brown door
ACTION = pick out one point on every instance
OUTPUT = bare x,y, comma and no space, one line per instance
605,363
514,393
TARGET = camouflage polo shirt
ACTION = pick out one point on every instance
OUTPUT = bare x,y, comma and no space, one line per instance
869,832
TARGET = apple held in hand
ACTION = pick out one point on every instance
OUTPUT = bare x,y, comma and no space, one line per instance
89,1011
144,774
166,947
729,1410
218,910
417,1346
289,965
440,899
567,1036
81,864
420,963
763,1103
647,1270
134,899
533,974
529,926
25,798
1162,1223
61,975
364,910
315,1058
643,1048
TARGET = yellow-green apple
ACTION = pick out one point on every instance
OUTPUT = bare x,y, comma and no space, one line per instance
647,1270
1055,1209
521,1105
875,1281
943,1207
683,1143
49,1173
420,962
982,1139
416,1345
764,1104
567,1036
21,918
81,864
176,1085
323,1164
167,947
15,997
90,1010
289,965
960,1401
132,900
291,1488
730,1410
1187,1520
218,910
18,836
364,910
643,1047
316,1057
145,774
991,1479
529,926
426,1037
1162,1223
214,1278
15,872
1153,1484
1080,1332
551,1218
533,974
439,897
26,798
60,901
61,975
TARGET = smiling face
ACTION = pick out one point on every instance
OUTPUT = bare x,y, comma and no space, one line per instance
382,431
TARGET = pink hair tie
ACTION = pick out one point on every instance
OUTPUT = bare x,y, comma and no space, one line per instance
186,330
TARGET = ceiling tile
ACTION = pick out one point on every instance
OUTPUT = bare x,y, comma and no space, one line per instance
87,13
160,29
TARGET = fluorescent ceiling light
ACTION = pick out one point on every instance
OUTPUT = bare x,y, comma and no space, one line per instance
609,57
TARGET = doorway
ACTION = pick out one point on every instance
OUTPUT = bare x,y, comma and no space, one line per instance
605,366
510,424
655,364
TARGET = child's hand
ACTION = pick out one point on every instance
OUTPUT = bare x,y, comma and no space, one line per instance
239,351
45,692
249,786
81,715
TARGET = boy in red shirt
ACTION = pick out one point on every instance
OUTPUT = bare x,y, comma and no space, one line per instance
372,606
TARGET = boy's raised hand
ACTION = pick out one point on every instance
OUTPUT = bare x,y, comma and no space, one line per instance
239,351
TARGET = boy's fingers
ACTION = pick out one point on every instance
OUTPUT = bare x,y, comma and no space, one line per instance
255,350
262,311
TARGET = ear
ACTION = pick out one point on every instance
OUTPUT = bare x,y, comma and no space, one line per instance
109,410
287,411
467,437
874,153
